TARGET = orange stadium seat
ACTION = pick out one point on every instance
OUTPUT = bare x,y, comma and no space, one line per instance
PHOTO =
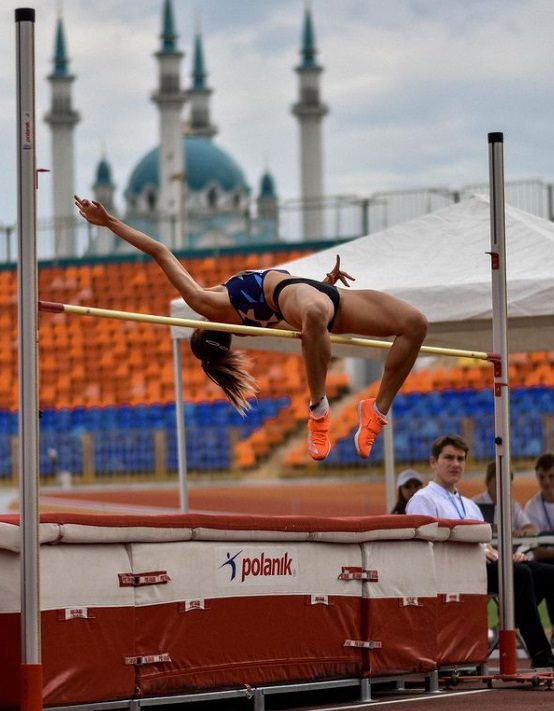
105,354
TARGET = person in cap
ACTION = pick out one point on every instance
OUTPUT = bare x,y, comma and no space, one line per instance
407,483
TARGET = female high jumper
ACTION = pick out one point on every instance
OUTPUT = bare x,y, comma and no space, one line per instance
273,298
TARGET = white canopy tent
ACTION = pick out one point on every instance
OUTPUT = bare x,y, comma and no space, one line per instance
440,263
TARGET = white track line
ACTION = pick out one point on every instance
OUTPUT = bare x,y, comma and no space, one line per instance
426,697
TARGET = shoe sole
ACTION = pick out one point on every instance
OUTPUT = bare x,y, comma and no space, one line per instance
363,456
320,459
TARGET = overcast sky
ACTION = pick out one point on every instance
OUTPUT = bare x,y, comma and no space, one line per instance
413,87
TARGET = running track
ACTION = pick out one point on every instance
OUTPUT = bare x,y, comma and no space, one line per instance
271,497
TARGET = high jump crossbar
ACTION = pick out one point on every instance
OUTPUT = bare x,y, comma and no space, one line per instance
55,307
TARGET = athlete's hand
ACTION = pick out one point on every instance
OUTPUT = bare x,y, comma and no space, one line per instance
336,274
92,211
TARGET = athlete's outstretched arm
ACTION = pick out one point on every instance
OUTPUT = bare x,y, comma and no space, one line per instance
195,295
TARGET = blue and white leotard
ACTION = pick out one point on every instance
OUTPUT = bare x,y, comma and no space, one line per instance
246,293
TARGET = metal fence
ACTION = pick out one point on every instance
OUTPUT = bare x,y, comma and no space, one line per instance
343,217
349,216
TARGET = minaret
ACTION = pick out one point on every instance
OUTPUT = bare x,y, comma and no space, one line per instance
170,98
103,189
268,207
310,112
62,119
267,199
199,95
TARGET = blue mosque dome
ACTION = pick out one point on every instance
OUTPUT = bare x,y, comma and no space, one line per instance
205,163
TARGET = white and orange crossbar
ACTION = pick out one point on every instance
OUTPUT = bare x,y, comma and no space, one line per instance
56,307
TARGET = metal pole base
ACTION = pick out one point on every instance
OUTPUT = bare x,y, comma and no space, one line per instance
432,682
507,651
259,700
365,690
30,694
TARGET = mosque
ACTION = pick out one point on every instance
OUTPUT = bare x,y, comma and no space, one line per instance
187,191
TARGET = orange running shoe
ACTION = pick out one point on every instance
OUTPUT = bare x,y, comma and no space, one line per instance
318,436
371,423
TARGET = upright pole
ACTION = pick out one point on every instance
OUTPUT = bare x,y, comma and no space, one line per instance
507,640
388,447
31,664
180,422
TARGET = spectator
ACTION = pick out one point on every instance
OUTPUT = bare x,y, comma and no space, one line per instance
408,482
440,498
521,525
540,508
532,581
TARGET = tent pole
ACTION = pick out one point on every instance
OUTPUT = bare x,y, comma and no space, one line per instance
507,642
388,448
31,663
180,422
388,458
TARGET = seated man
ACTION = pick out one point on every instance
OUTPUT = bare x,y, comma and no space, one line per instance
521,525
532,581
540,508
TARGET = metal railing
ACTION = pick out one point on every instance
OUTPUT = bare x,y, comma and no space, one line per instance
343,217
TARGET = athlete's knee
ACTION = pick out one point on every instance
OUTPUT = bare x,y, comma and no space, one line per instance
417,326
315,317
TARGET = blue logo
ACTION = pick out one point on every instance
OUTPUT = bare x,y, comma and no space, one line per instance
232,564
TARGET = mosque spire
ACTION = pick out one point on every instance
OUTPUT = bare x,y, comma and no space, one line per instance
60,57
198,71
169,34
199,93
104,191
308,51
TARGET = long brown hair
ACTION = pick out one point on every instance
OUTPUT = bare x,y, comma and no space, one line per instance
227,368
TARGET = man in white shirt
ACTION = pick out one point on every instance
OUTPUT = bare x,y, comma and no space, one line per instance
540,508
532,581
440,498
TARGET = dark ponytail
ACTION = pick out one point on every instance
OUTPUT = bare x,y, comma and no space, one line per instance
401,503
227,368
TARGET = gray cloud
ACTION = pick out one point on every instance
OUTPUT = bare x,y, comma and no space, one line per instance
413,87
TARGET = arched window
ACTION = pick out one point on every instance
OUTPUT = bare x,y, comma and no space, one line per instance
151,200
212,197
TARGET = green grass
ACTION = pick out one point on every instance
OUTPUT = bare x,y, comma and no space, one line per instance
493,615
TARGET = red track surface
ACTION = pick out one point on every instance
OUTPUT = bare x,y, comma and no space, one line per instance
324,498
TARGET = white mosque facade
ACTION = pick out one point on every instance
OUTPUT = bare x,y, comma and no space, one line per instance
187,190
